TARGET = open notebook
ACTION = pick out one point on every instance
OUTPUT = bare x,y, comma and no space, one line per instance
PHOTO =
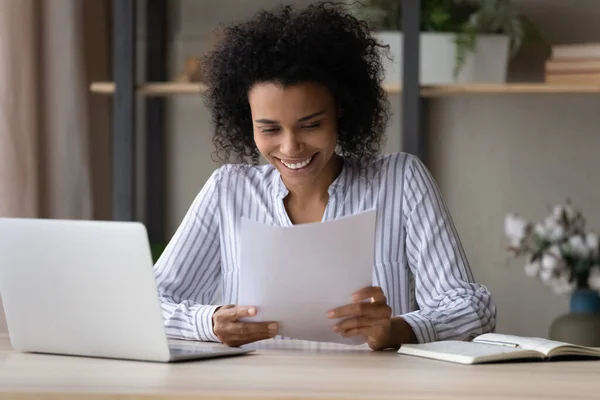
492,347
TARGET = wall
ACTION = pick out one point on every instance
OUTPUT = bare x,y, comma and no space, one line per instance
3,327
490,154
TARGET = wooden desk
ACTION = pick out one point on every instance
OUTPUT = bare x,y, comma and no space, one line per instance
291,374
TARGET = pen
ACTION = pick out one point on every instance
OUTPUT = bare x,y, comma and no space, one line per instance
499,343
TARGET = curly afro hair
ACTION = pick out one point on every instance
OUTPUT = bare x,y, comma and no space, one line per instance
320,43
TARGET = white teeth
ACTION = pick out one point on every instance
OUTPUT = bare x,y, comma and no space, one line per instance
297,165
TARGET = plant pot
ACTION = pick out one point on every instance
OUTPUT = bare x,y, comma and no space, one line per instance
582,324
487,64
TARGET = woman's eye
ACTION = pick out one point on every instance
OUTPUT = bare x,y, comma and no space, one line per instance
312,126
269,130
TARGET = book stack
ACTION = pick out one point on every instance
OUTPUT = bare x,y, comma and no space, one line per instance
574,64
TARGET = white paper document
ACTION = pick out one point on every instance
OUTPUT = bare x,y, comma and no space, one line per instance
294,275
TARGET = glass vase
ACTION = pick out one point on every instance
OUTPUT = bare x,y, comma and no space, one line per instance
581,325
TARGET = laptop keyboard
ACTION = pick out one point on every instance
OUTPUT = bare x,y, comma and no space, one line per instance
178,350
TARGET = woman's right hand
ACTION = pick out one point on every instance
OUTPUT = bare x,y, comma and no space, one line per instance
233,332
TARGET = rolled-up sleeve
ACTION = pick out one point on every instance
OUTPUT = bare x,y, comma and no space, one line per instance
451,304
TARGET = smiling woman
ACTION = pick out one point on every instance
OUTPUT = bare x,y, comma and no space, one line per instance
295,129
302,88
321,44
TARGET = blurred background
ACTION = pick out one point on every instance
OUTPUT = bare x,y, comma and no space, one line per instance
491,153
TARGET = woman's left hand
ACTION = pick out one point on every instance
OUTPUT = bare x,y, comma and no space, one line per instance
371,319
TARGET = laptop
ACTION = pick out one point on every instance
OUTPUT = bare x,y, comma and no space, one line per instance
86,288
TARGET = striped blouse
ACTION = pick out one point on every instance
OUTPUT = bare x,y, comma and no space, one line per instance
419,261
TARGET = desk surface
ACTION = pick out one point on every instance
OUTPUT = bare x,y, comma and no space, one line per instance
287,372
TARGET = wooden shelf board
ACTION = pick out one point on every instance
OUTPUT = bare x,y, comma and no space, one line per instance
152,89
175,88
509,88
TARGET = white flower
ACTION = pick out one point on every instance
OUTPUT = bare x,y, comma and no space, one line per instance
549,262
515,243
592,242
579,247
515,228
557,212
561,284
554,230
552,259
541,231
594,278
555,251
546,275
532,268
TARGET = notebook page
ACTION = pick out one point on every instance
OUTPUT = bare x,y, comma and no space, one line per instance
465,352
544,346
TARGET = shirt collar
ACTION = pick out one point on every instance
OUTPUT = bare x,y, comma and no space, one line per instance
280,190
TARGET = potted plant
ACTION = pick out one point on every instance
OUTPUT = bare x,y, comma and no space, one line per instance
563,255
462,41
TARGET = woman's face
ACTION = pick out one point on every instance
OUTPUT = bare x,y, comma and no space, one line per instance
295,129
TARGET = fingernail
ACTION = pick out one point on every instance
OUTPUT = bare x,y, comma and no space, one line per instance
252,311
336,328
272,327
355,297
331,314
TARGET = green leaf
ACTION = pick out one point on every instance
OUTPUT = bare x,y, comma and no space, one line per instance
439,19
465,43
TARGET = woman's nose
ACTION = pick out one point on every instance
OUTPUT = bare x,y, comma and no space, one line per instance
291,145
